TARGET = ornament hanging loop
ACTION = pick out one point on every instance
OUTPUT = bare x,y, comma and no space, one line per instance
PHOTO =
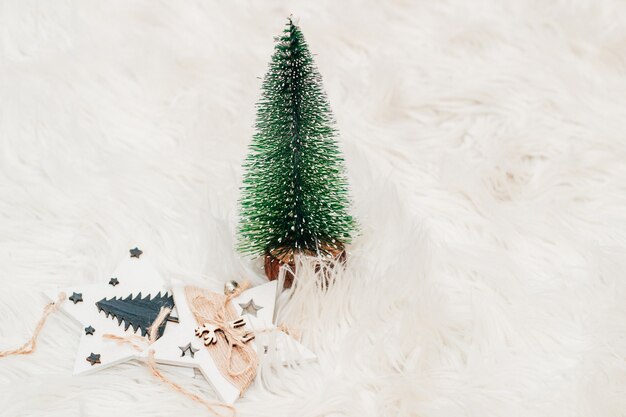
30,346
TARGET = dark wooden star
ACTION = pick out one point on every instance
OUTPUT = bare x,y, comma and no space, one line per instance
113,281
188,348
250,308
135,253
89,330
76,297
94,358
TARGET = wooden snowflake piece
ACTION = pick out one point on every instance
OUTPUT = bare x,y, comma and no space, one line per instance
207,332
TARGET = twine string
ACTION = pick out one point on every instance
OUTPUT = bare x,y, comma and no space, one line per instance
214,407
31,344
232,337
128,340
236,359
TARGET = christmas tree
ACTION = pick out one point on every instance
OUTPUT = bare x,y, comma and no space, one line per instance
138,312
295,193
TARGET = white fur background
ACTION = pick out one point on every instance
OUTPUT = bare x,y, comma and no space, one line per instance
486,148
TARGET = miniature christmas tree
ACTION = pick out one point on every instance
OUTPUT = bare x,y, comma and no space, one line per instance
295,193
138,312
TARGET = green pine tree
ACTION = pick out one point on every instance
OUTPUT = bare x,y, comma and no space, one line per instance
295,193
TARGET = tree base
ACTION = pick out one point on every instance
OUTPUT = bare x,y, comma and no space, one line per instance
273,265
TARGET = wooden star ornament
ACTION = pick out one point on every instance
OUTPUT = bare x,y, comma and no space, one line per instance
103,308
256,308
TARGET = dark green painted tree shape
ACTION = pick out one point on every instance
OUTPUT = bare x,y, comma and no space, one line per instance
294,196
138,313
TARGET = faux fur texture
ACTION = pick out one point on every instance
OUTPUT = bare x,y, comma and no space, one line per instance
486,148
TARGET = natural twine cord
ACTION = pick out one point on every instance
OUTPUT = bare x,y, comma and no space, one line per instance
235,359
221,313
30,345
212,406
224,313
128,340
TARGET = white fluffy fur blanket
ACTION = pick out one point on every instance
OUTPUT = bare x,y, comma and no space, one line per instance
486,148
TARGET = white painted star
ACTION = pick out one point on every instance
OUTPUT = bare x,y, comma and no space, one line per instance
167,349
134,275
